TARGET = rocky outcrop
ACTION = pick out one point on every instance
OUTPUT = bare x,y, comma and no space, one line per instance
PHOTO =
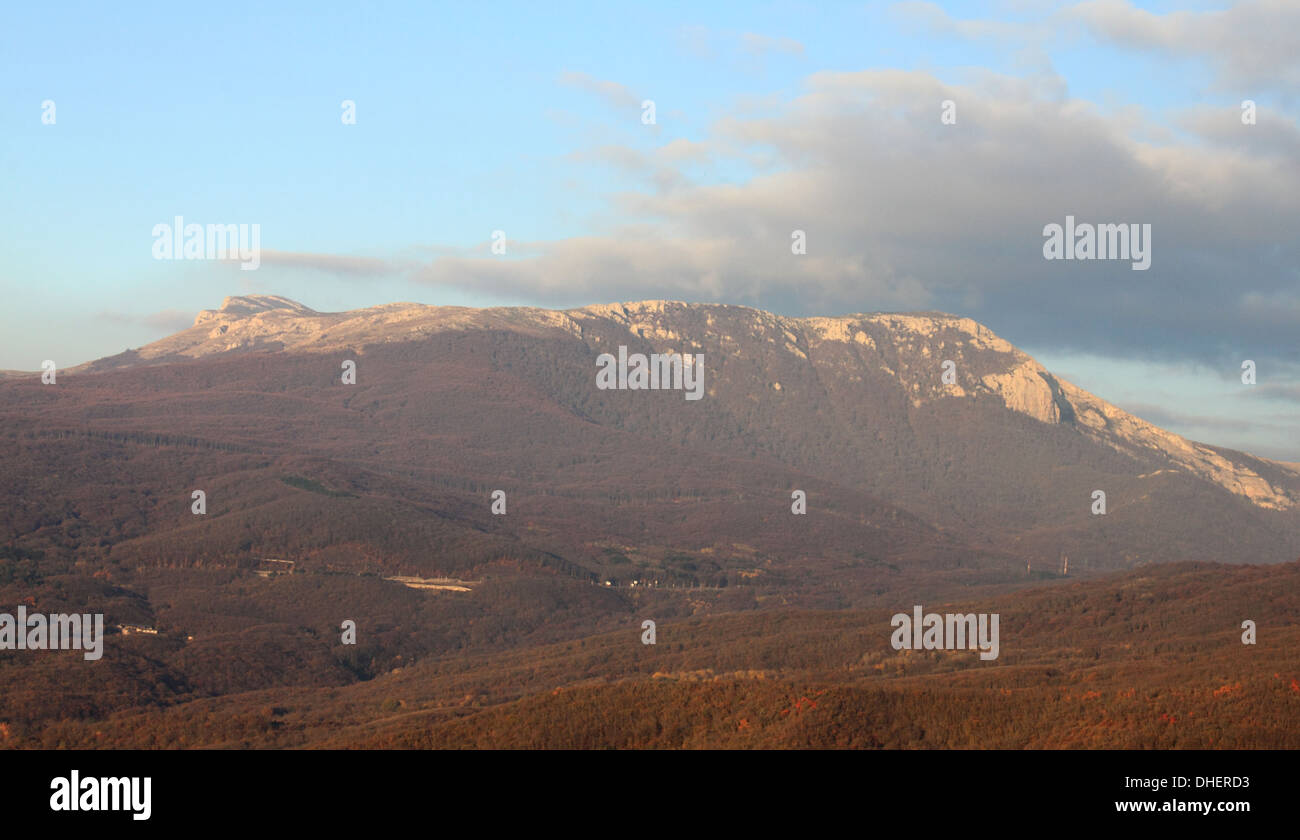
248,305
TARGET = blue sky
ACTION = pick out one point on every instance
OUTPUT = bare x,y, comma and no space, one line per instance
526,118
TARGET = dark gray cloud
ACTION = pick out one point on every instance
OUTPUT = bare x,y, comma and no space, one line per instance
903,212
329,263
1280,391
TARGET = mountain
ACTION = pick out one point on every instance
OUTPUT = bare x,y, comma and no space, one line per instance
372,502
906,348
1003,462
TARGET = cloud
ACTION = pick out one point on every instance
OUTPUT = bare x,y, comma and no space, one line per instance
636,263
615,94
1251,45
330,263
660,167
1168,418
1284,391
1272,134
901,211
760,45
936,19
703,43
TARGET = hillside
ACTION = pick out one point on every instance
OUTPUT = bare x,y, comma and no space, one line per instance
521,629
450,404
1148,659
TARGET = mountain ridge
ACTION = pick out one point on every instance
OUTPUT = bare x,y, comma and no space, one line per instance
912,485
915,342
